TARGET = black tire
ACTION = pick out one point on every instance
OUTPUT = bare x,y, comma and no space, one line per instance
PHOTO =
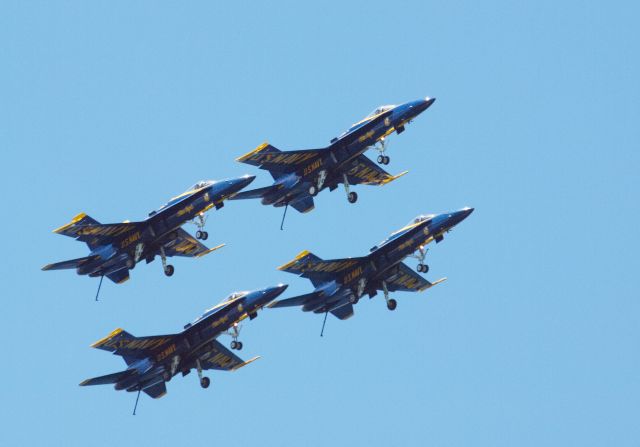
352,197
234,344
387,160
168,270
419,268
205,382
198,234
392,304
239,348
205,235
425,268
380,159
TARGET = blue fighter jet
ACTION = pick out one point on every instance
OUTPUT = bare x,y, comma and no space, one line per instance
300,175
117,248
153,361
340,283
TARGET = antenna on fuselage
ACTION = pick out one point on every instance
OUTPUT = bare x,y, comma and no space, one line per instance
99,285
324,322
283,216
136,405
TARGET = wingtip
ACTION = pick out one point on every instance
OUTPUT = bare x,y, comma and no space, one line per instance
104,339
204,253
300,255
76,219
248,155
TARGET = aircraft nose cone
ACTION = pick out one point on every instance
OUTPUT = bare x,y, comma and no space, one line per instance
428,101
274,292
237,184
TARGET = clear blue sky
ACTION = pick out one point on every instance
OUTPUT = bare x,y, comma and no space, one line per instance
111,108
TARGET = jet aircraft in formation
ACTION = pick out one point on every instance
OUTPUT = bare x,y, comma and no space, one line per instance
301,174
117,248
153,361
340,283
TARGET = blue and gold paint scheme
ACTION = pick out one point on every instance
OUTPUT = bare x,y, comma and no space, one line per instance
117,248
340,283
300,175
153,361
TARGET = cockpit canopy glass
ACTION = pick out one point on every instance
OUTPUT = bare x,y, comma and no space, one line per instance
202,184
380,110
421,218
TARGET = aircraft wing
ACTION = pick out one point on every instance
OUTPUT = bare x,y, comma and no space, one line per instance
119,276
272,159
404,279
221,358
108,379
365,172
186,245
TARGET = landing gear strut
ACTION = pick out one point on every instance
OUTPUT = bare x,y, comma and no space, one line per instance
235,333
204,381
422,253
382,159
352,196
200,220
168,268
391,303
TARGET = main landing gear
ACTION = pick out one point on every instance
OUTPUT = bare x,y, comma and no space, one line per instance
235,333
382,147
200,220
391,303
204,381
168,268
352,196
422,253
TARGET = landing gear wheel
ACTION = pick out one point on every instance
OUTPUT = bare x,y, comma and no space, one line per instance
234,344
239,346
204,235
392,304
198,234
423,268
380,159
168,270
352,197
386,160
205,382
313,191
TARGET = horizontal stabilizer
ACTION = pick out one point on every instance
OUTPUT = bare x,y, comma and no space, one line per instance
70,264
254,193
109,378
303,205
156,391
343,312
